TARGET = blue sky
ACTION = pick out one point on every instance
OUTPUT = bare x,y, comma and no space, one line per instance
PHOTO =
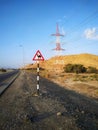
26,26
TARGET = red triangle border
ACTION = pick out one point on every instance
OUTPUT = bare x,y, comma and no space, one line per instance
34,58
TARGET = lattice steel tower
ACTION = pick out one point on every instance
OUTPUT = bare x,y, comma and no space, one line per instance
58,35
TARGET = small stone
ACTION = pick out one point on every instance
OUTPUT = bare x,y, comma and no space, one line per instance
82,112
35,95
76,116
59,113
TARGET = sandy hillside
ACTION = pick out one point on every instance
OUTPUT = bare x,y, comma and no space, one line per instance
58,62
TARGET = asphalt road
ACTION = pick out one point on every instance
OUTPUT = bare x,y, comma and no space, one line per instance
55,108
7,79
7,75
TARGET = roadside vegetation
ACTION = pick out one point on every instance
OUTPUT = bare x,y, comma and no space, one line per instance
3,70
78,68
84,78
82,73
75,72
75,77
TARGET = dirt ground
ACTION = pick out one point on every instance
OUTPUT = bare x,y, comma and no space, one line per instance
86,84
56,107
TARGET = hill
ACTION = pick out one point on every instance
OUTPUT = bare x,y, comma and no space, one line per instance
58,62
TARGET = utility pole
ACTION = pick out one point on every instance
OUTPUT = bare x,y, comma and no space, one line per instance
23,56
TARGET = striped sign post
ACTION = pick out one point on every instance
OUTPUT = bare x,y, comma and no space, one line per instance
38,57
38,77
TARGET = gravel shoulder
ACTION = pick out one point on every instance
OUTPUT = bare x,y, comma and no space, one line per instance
56,108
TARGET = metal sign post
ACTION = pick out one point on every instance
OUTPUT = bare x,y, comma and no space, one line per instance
38,57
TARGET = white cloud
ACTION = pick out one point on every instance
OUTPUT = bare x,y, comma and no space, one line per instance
91,33
63,31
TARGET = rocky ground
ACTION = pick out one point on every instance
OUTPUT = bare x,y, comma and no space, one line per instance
56,108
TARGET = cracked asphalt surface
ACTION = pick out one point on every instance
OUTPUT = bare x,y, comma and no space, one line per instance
55,108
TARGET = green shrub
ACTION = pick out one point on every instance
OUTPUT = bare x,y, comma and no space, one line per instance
78,68
74,68
68,68
91,69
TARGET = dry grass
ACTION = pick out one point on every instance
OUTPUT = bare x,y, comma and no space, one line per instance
86,84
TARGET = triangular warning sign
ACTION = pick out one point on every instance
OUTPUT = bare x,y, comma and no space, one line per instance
38,56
